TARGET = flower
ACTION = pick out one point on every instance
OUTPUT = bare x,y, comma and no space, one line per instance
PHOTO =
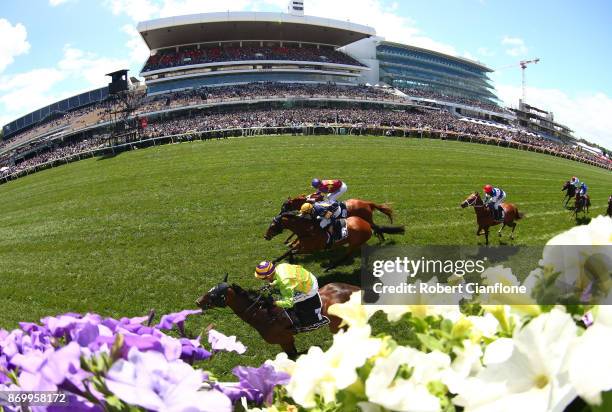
168,321
527,372
149,380
397,388
324,373
583,257
590,359
255,384
220,342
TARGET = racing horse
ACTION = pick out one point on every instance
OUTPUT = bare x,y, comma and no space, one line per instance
271,321
355,207
609,211
570,192
581,204
311,238
485,220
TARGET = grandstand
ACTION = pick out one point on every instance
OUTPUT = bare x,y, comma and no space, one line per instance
231,48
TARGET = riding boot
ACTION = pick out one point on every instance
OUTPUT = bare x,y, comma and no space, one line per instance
330,240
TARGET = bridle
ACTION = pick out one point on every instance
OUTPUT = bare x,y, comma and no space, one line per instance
473,203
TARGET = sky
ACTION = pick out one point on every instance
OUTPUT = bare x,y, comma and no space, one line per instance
53,49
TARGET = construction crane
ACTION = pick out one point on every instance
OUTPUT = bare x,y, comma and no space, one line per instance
523,65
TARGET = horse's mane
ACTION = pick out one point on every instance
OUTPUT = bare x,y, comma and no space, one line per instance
266,301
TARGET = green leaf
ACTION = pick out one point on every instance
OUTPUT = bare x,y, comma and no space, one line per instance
430,342
606,403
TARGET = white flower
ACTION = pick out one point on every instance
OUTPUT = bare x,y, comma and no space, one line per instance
590,359
583,256
385,388
324,373
500,275
467,363
526,373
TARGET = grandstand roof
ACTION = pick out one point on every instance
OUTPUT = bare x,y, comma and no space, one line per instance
233,26
464,60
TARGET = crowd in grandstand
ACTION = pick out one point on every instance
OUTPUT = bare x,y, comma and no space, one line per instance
429,94
166,59
438,120
262,91
56,153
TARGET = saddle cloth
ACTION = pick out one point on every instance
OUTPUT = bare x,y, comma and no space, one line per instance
306,314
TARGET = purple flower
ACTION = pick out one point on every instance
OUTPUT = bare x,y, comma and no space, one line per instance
220,342
260,380
192,351
178,319
52,370
587,319
149,380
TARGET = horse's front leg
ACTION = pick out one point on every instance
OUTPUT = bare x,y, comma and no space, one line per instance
289,238
487,236
499,232
283,256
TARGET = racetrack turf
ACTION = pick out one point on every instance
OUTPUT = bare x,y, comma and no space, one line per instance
156,227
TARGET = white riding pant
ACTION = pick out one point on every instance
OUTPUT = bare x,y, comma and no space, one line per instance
333,197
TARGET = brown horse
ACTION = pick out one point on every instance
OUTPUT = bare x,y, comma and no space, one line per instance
355,207
609,211
486,220
311,238
272,322
570,191
581,204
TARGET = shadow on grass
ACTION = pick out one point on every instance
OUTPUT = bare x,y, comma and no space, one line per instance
584,220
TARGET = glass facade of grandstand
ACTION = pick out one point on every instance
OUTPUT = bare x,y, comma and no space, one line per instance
411,68
58,108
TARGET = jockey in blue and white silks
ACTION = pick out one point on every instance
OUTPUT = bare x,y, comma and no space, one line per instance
494,197
583,189
574,181
325,214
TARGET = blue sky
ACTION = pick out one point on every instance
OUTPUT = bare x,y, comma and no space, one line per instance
51,49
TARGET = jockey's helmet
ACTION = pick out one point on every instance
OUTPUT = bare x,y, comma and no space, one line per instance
306,209
315,183
488,189
264,269
574,178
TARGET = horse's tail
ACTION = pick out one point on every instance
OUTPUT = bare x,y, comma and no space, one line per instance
519,215
385,209
391,230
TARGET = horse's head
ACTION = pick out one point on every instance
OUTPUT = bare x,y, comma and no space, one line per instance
471,200
565,185
275,228
293,203
216,297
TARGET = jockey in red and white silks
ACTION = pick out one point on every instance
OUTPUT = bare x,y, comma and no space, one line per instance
331,189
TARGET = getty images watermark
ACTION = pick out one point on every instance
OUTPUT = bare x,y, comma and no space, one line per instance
443,275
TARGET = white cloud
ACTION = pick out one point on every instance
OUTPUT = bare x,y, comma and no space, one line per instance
25,92
483,51
587,114
515,46
139,52
13,42
137,10
55,3
89,66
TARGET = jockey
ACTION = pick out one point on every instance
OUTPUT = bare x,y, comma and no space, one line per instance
493,199
583,189
325,214
332,189
298,289
575,182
